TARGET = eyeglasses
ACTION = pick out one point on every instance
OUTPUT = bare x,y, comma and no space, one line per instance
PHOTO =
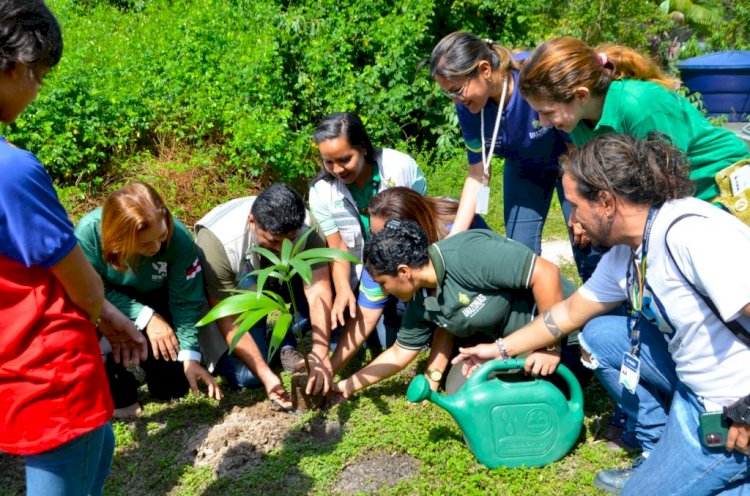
456,95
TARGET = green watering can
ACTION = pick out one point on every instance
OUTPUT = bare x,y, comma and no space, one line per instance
511,424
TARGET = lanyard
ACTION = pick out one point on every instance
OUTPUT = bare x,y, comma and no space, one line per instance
637,288
485,159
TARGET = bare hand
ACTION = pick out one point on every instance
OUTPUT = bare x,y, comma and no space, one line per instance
194,372
320,379
164,343
738,438
542,362
344,301
580,238
129,346
474,356
343,388
278,395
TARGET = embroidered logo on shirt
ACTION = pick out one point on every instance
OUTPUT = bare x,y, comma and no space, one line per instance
338,204
390,183
193,270
161,270
536,124
539,132
475,306
463,299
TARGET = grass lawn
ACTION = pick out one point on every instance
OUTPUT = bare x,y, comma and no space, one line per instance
411,449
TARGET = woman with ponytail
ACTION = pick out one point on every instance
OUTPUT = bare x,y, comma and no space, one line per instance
587,92
481,78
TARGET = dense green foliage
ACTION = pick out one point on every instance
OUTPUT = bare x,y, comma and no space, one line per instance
250,79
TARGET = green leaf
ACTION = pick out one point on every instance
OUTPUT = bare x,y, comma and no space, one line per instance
271,256
301,241
263,274
303,268
237,304
329,253
279,331
250,319
286,251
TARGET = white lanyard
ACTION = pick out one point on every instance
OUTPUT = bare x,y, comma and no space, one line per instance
487,160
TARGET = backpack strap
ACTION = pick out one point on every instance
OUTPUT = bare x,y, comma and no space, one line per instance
734,326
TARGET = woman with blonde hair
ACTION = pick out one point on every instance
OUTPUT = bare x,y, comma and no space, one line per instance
481,78
152,277
588,91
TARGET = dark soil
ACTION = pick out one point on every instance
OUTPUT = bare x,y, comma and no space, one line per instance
371,472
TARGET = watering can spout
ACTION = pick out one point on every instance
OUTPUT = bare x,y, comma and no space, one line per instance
419,390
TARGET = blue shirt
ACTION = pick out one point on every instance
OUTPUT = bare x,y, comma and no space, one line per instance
34,228
520,137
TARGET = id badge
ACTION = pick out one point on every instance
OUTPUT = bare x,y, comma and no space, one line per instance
483,200
740,179
630,372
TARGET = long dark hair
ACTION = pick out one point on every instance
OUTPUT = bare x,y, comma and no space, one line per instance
432,214
349,126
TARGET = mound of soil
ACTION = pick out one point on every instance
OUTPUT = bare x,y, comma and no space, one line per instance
372,472
239,441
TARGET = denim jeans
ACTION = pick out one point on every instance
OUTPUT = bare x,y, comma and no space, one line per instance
606,339
234,370
681,465
527,195
77,468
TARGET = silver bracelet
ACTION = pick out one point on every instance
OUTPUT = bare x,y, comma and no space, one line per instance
501,347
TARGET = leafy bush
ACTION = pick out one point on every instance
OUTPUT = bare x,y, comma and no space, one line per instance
251,79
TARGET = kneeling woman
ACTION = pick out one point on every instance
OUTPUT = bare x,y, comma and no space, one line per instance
149,265
474,283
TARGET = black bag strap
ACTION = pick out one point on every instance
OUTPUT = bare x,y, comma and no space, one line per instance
734,326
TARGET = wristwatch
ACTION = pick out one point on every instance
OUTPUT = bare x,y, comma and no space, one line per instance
434,375
739,411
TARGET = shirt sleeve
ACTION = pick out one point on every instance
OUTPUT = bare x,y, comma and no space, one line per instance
418,183
321,211
370,293
34,226
415,333
185,279
606,284
218,275
471,133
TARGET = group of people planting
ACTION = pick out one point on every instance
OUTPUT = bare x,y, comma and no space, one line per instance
662,319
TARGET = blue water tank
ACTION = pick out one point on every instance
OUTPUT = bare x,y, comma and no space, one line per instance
723,79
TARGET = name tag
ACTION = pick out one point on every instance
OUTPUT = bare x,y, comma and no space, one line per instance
630,372
483,200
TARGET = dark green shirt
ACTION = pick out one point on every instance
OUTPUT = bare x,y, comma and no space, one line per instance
483,287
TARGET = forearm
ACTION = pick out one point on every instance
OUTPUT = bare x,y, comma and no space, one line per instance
385,365
319,301
545,285
354,334
246,350
81,282
467,204
340,273
440,350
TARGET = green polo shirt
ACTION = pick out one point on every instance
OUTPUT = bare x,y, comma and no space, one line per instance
362,198
483,287
639,107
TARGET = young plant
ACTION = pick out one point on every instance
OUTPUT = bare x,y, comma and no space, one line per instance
251,306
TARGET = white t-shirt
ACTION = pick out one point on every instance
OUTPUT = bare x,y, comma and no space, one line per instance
712,253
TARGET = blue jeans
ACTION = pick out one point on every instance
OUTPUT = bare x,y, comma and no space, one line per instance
527,195
606,339
77,468
680,464
234,369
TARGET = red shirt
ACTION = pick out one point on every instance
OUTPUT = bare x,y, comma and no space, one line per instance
53,387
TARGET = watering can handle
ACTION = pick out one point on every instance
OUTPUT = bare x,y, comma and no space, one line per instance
482,373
